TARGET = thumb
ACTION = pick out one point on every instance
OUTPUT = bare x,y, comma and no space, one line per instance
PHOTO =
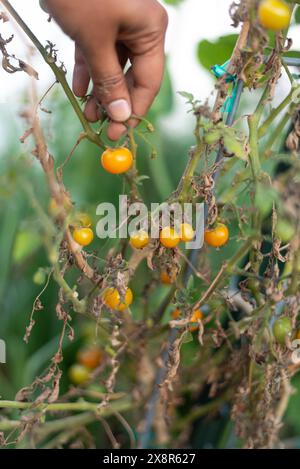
110,87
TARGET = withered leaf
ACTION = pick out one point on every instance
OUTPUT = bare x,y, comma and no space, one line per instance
28,69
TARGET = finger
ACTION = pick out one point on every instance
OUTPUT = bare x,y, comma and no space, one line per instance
91,109
147,74
81,76
109,82
116,130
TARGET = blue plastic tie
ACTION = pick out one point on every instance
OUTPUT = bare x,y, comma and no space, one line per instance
220,71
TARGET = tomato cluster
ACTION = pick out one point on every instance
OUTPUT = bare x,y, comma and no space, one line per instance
113,300
170,238
88,359
194,322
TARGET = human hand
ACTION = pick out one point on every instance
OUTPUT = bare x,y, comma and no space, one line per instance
107,33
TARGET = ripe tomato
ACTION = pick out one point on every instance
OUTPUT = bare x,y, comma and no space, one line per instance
274,14
79,374
196,317
217,237
167,279
117,160
282,328
83,236
139,239
176,314
169,238
186,232
90,357
112,299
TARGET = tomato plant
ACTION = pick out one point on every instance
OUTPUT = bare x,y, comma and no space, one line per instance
200,351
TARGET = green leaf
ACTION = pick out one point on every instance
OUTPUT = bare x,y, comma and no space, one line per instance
235,145
212,136
297,15
190,283
26,243
210,53
187,338
189,96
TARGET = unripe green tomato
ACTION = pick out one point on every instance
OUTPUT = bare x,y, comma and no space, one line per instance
39,278
79,374
282,328
285,230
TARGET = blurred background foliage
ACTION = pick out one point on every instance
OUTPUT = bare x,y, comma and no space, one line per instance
23,263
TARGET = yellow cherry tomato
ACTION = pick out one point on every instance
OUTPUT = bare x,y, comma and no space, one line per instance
112,299
217,236
196,317
186,232
139,239
167,279
90,357
274,14
117,160
169,238
83,236
79,374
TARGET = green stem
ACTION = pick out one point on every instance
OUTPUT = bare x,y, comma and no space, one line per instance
79,306
80,406
276,133
184,186
254,149
265,126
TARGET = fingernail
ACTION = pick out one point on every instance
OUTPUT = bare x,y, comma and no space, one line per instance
119,110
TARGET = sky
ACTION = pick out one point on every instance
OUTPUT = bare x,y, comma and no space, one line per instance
188,24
